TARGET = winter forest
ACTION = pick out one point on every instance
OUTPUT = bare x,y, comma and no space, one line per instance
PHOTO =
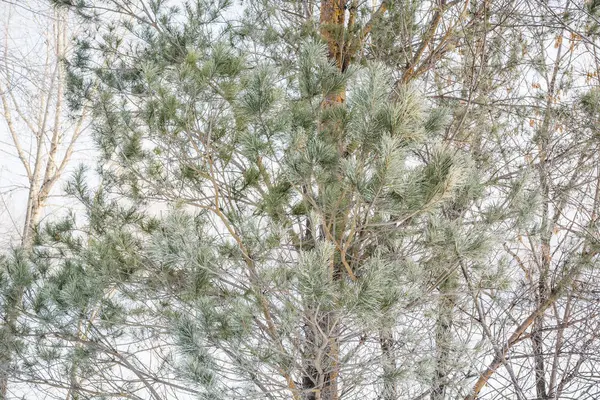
300,199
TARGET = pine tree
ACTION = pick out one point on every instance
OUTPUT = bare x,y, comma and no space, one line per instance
307,177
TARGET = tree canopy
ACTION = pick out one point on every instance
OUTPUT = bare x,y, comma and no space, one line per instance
319,200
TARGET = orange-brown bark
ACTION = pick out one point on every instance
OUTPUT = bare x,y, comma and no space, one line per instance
321,368
338,27
332,20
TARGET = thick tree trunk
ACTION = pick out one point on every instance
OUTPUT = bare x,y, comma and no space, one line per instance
321,330
320,378
332,22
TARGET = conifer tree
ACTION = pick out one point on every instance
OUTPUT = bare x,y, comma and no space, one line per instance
303,173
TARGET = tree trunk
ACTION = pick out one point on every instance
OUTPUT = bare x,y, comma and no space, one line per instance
443,336
321,330
321,357
387,343
332,25
32,216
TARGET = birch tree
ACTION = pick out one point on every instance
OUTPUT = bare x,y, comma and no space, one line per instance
32,93
41,137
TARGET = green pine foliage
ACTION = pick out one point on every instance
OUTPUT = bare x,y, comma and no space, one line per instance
269,193
267,223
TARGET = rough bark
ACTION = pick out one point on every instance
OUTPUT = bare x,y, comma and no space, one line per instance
443,336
